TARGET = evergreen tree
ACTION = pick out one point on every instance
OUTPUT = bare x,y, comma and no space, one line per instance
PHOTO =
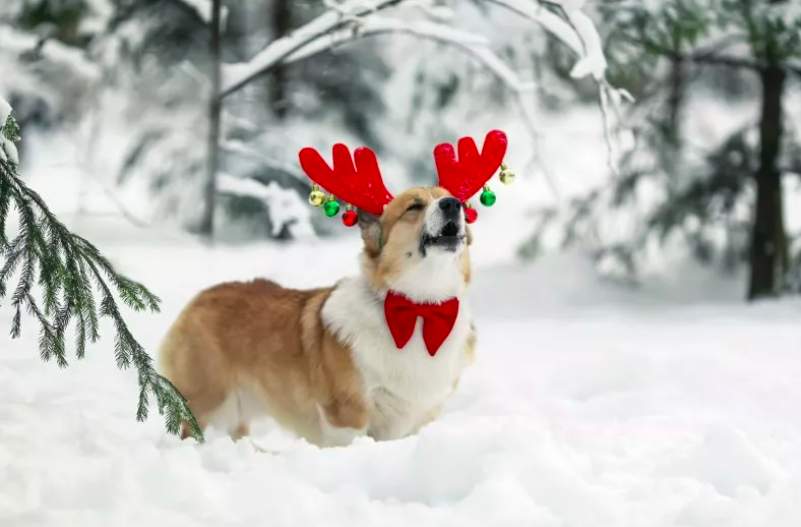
69,272
726,202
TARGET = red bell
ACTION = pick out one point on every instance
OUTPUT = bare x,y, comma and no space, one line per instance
350,218
470,214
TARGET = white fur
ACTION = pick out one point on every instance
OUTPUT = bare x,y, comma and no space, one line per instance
434,278
240,408
336,436
401,385
437,276
434,221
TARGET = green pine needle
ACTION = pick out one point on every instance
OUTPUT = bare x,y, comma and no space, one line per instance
68,270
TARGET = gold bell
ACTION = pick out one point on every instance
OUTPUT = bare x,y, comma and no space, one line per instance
316,198
507,176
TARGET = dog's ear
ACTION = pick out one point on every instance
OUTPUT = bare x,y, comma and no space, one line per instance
370,225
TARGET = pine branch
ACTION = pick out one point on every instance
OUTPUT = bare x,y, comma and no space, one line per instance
68,270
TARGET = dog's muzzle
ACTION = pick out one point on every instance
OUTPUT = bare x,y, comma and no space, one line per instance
444,227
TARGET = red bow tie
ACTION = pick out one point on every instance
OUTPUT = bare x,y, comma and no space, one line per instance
438,320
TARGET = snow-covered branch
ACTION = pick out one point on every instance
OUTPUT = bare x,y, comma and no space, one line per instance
377,25
475,46
470,44
285,208
355,19
5,111
235,76
578,32
551,22
592,61
55,53
238,147
8,150
203,8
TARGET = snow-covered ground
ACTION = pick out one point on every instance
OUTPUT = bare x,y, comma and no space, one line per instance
589,406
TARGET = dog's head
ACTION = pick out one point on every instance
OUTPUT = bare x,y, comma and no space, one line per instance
415,243
419,245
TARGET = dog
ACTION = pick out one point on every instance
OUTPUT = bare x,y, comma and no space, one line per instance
377,354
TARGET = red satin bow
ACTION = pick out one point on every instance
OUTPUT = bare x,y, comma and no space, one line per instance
438,320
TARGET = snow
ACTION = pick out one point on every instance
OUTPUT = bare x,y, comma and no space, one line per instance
8,150
58,55
548,20
376,25
590,404
236,75
204,9
582,37
5,111
97,17
587,406
285,207
593,62
471,44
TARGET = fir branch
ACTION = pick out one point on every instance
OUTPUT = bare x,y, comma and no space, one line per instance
69,270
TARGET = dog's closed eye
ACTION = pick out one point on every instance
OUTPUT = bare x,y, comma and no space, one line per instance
417,205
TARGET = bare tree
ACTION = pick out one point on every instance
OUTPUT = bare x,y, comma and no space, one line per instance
281,21
206,227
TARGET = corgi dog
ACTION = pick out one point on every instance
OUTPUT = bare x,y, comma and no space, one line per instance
377,354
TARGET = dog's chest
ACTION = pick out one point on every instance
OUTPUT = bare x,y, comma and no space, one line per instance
401,384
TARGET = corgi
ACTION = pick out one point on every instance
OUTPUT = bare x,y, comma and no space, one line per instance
377,354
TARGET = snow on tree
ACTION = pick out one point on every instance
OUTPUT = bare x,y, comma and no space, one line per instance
324,84
353,20
724,200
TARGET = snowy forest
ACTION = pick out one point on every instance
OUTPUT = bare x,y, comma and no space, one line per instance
636,285
127,85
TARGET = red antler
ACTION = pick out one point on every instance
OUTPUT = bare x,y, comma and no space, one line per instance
465,176
362,186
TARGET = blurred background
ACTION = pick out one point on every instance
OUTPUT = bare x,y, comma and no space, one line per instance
696,183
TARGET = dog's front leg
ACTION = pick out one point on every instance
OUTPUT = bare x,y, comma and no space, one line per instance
341,423
391,418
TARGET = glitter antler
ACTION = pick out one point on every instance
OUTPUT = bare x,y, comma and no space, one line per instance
360,186
465,176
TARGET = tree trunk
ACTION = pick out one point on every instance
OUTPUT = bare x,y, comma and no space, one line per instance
206,227
768,239
671,125
281,19
675,104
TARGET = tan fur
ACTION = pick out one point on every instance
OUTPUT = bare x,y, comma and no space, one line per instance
400,231
260,341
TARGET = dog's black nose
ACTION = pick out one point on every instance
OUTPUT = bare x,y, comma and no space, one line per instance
450,206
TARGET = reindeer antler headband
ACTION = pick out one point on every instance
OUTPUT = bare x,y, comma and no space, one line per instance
361,186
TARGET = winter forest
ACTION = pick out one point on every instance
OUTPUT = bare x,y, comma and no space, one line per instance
635,281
